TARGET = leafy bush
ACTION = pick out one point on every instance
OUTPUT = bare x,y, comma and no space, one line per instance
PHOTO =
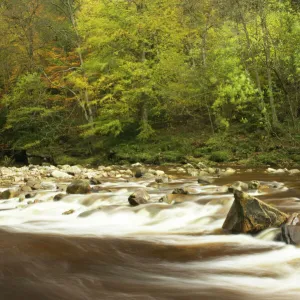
7,161
220,156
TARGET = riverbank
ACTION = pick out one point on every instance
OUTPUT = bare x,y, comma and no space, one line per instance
169,146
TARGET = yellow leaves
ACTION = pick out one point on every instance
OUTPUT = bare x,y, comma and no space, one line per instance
78,81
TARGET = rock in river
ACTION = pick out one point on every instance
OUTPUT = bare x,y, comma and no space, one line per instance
180,191
251,215
79,187
290,232
60,175
238,185
8,194
139,197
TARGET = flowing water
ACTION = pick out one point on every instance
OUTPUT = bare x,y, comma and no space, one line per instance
109,250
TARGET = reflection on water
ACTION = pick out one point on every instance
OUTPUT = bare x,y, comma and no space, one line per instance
108,250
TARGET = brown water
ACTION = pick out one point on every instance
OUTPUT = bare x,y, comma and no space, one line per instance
107,250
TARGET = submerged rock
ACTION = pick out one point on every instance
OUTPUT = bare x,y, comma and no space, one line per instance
79,187
69,212
139,197
58,197
251,215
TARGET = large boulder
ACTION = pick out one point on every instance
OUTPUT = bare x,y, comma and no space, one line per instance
139,197
290,232
79,187
251,215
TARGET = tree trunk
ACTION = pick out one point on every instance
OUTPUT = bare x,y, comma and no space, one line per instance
268,66
88,112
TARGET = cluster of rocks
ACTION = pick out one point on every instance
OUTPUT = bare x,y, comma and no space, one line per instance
283,171
201,169
14,175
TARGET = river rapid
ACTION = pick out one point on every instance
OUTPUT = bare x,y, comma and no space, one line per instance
109,250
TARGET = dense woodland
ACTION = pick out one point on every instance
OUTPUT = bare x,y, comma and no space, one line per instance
151,80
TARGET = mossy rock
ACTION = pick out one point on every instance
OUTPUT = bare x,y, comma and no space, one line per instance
79,187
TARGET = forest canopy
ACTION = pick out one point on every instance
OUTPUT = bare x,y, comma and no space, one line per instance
78,77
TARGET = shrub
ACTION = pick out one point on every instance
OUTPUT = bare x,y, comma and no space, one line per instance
220,156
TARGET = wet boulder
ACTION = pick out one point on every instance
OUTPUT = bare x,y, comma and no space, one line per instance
95,181
251,215
59,196
180,191
33,184
139,197
79,187
139,172
162,179
8,194
205,180
166,199
238,185
290,232
254,185
30,195
25,188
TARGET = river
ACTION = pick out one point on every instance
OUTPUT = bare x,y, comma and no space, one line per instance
109,250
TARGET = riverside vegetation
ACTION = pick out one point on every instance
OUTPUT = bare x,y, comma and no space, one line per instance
158,81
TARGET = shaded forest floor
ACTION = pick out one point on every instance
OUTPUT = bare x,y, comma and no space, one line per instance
183,145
